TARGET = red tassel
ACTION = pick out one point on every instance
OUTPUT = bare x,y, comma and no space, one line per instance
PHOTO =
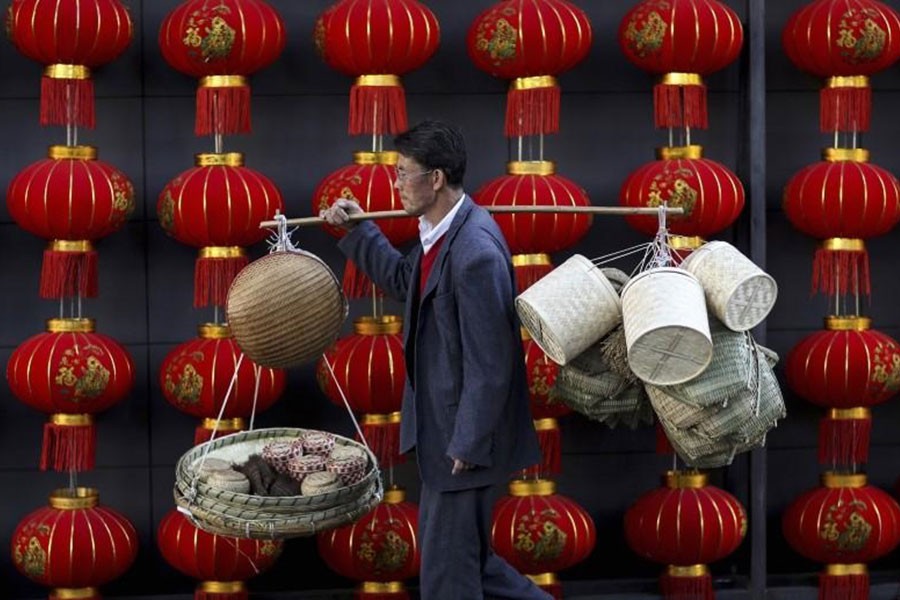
67,101
376,590
840,271
687,583
680,105
357,284
377,109
222,110
550,441
66,273
221,590
663,445
383,437
844,436
528,272
532,106
69,443
89,593
213,274
844,582
845,109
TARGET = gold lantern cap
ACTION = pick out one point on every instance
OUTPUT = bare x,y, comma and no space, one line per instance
532,487
847,323
383,325
70,325
685,479
225,159
386,157
74,498
693,152
831,480
531,167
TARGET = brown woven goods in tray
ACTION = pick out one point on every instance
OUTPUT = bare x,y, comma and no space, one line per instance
269,516
285,309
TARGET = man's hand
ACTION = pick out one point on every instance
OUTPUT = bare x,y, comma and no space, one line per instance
460,465
338,215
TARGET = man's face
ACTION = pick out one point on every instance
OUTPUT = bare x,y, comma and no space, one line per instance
415,184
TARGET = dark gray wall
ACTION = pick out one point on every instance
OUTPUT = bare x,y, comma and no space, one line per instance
145,127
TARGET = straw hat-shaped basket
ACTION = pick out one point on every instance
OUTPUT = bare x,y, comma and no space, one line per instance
570,308
285,309
226,512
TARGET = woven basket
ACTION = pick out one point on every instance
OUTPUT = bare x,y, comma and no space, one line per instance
666,328
749,415
285,309
569,309
730,372
738,292
246,515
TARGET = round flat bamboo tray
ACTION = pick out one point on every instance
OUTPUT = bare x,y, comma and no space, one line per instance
247,515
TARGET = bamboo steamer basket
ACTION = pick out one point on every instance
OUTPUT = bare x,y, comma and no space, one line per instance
285,309
569,309
738,292
666,327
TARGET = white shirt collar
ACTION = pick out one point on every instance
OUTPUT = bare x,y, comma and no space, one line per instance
429,234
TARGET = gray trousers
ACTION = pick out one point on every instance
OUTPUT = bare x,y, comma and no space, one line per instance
457,560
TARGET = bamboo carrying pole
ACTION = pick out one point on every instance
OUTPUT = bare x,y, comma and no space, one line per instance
395,214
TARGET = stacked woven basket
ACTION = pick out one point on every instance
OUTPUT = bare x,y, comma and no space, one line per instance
353,487
671,340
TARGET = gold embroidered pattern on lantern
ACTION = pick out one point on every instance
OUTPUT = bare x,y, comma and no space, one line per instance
860,36
88,377
844,528
887,366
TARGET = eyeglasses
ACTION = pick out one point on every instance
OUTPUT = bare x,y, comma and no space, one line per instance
403,175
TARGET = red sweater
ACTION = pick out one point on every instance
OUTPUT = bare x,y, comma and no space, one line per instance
427,263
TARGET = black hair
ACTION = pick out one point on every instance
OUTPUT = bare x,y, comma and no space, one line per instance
435,145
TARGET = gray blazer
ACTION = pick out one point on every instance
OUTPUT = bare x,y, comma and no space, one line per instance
466,393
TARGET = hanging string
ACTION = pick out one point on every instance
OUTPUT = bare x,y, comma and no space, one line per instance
257,371
346,403
207,446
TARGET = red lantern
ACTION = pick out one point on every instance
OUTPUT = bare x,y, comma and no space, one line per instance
686,524
530,43
844,524
711,195
371,371
540,532
844,42
683,41
196,376
71,199
222,43
369,181
70,38
71,373
842,199
74,545
376,41
847,368
221,563
532,236
381,549
217,206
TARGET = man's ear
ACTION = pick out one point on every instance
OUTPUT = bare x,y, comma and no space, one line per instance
439,179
